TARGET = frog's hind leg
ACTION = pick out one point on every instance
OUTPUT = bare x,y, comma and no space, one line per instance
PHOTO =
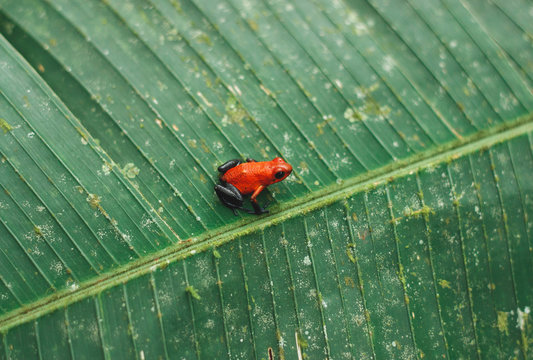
228,165
231,197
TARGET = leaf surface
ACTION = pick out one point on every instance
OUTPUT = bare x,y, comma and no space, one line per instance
405,231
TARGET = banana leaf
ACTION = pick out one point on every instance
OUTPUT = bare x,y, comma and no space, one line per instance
404,232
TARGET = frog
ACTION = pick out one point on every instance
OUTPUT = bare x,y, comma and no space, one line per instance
238,178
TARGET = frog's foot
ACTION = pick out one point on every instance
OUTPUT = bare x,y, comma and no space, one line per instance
250,160
228,165
257,209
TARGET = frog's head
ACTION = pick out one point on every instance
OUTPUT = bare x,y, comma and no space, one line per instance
280,169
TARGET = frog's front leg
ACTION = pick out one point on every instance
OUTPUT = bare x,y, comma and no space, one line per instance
253,200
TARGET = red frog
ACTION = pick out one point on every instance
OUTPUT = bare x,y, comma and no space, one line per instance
251,177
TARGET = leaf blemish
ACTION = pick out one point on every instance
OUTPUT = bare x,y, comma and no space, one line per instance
93,200
130,170
5,125
192,291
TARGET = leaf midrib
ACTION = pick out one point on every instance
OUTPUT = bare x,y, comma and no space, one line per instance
213,238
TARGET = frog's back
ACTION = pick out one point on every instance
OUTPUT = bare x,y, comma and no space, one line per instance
247,177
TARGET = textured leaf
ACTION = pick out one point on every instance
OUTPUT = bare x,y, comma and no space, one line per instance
405,231
63,218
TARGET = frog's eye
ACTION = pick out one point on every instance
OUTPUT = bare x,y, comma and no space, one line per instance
279,175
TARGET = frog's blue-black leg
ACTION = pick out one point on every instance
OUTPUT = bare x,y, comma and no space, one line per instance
231,197
228,165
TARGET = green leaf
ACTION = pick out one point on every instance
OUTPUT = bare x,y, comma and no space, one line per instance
404,232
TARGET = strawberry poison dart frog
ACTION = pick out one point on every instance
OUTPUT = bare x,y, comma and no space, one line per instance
251,177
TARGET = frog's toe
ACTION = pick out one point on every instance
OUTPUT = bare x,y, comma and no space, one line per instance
258,210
